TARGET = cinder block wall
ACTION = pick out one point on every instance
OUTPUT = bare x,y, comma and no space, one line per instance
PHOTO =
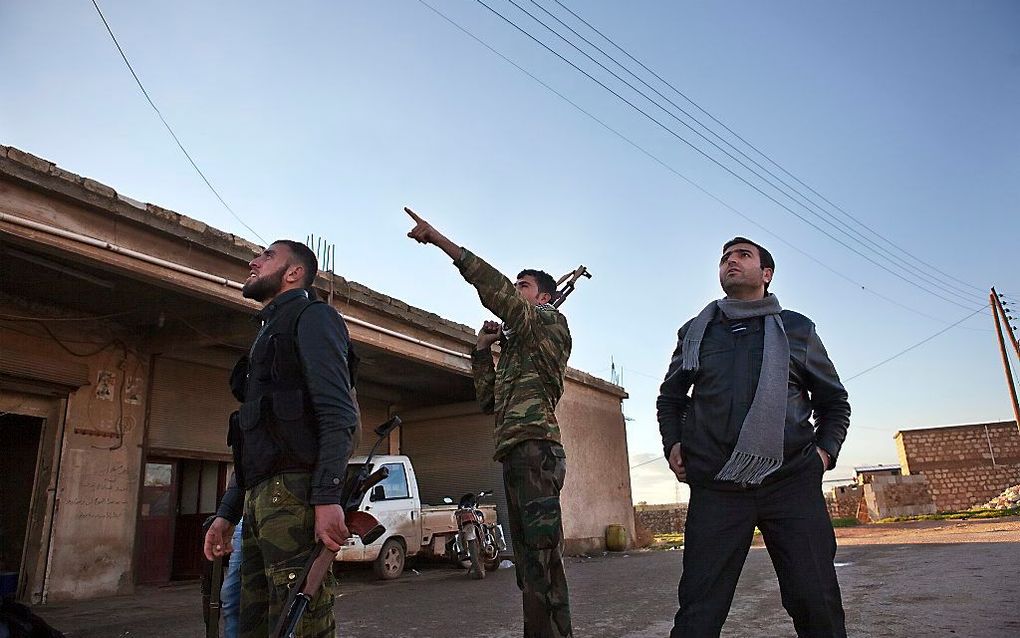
845,500
889,496
661,519
965,464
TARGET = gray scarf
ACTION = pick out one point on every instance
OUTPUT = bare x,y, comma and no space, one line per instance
759,450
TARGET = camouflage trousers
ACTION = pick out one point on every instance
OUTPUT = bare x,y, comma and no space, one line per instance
533,473
278,535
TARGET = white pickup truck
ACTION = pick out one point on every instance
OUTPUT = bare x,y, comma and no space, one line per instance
412,529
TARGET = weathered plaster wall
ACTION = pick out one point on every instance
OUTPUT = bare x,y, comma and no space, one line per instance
597,491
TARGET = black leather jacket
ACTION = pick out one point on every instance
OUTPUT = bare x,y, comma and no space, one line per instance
707,423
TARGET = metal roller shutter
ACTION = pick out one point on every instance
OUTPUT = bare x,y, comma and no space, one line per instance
189,407
452,456
373,413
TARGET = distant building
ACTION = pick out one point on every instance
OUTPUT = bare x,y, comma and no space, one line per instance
965,465
865,474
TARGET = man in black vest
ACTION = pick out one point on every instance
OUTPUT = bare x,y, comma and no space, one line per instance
735,415
291,440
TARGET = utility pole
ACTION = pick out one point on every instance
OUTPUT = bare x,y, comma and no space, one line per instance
1006,319
993,300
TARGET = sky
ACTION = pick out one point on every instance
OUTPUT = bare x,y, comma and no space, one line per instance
329,117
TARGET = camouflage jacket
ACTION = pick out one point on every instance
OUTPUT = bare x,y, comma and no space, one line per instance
526,386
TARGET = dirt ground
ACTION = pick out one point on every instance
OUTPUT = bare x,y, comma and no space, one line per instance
940,578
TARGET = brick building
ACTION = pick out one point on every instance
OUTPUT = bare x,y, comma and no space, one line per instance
965,465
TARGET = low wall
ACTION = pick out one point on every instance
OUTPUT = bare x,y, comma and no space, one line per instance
661,519
889,496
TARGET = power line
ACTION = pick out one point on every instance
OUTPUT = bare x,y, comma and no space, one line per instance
804,201
690,144
897,248
167,125
670,168
657,458
903,352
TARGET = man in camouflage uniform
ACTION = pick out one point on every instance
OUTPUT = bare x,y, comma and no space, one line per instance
523,392
291,439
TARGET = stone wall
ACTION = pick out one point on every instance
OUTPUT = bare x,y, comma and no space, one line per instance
965,464
889,496
661,519
845,500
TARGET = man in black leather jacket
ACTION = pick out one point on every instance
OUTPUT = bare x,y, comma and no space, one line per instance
752,456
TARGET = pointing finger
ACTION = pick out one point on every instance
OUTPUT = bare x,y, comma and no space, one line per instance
413,215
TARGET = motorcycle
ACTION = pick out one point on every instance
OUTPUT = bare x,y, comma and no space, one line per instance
477,545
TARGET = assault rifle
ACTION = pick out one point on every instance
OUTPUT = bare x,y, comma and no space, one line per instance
359,523
570,278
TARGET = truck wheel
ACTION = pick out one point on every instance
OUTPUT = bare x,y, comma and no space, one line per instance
475,552
390,562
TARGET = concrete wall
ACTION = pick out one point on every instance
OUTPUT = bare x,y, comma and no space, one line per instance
890,496
965,464
597,490
92,536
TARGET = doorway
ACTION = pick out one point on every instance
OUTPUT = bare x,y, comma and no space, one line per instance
177,496
201,485
20,436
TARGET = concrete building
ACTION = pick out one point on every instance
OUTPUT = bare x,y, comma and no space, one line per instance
965,465
119,322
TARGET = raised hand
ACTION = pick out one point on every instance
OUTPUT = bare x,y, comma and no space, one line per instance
424,233
488,335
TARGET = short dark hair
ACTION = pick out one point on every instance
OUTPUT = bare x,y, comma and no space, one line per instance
765,259
545,281
763,253
304,257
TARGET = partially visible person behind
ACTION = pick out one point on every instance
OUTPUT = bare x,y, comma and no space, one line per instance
735,414
230,592
292,438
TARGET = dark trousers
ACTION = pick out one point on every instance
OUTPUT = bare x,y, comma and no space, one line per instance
795,525
533,475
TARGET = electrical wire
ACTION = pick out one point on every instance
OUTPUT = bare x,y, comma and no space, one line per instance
898,249
905,351
205,179
673,170
699,150
657,458
805,202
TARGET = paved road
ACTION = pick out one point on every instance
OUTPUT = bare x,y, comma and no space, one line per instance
890,590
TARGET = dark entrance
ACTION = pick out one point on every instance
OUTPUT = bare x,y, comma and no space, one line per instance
19,440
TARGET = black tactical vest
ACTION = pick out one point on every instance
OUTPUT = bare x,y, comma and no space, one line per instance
274,430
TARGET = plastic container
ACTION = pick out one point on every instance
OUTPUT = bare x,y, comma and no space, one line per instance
616,538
